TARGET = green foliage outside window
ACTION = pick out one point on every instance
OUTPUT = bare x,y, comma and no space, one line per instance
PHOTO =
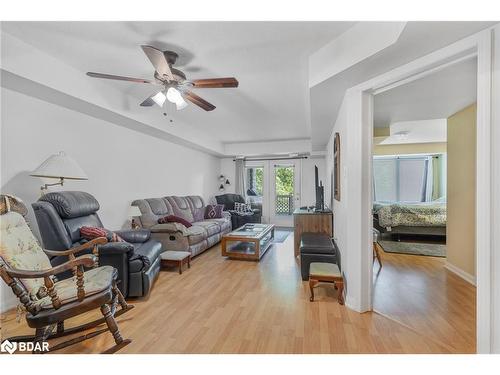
284,180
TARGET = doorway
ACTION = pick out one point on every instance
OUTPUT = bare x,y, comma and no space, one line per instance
424,136
274,187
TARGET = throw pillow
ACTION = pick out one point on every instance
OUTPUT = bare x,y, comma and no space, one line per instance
89,233
174,219
214,211
242,207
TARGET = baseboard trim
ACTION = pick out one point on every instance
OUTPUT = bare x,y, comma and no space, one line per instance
461,273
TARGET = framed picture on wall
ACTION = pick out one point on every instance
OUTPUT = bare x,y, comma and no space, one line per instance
336,167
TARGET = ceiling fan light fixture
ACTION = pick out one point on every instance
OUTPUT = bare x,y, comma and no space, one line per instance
174,96
159,98
181,104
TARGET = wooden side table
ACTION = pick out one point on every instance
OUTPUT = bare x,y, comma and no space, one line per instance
176,258
328,273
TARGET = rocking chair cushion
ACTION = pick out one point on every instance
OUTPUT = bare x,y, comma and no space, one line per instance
95,281
20,249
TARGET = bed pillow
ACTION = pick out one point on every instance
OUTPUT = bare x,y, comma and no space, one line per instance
174,219
89,233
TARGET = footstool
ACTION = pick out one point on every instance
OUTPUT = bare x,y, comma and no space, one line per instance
176,258
329,273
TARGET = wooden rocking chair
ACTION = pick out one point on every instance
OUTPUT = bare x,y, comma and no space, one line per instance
26,268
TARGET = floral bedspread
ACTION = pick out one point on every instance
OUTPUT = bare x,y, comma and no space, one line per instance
429,214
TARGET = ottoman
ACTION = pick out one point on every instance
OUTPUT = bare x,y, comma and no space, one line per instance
316,247
326,273
176,258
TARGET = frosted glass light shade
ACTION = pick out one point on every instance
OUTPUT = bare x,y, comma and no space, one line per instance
173,95
159,98
181,104
134,211
60,166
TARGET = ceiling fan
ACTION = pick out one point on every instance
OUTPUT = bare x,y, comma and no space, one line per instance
175,87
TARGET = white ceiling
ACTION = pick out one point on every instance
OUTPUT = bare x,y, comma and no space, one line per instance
269,59
437,95
416,40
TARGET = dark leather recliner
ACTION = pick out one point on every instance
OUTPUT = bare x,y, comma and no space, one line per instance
228,200
60,215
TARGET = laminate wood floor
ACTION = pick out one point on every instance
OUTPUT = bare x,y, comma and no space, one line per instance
420,293
230,306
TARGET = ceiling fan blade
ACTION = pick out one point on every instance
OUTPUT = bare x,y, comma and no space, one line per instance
149,102
215,82
200,102
159,61
120,78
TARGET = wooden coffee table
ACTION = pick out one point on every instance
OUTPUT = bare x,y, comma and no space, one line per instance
249,242
176,258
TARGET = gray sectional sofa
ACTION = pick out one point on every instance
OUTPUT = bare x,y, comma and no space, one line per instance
203,234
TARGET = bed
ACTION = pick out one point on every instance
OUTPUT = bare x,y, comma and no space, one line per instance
425,218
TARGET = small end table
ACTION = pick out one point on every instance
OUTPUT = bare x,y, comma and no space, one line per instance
176,258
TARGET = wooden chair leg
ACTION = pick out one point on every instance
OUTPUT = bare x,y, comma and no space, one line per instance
40,335
376,254
121,300
340,297
312,284
113,328
111,323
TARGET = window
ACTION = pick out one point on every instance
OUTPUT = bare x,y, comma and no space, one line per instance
255,181
402,178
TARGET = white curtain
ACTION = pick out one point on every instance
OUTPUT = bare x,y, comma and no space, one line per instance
240,177
429,180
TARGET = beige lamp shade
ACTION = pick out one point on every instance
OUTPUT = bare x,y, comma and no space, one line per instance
60,166
134,211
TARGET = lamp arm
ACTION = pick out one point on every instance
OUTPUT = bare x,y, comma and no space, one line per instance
46,186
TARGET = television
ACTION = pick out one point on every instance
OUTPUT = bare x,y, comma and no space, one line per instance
320,191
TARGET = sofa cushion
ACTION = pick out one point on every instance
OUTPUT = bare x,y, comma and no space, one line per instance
95,280
152,209
196,234
181,207
174,219
210,227
144,255
197,207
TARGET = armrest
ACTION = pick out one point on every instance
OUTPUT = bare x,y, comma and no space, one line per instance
111,248
87,260
77,249
168,228
134,235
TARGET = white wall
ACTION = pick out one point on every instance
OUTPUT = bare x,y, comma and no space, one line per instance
495,168
340,208
122,165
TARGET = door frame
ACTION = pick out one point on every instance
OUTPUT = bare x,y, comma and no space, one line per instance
297,166
361,104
